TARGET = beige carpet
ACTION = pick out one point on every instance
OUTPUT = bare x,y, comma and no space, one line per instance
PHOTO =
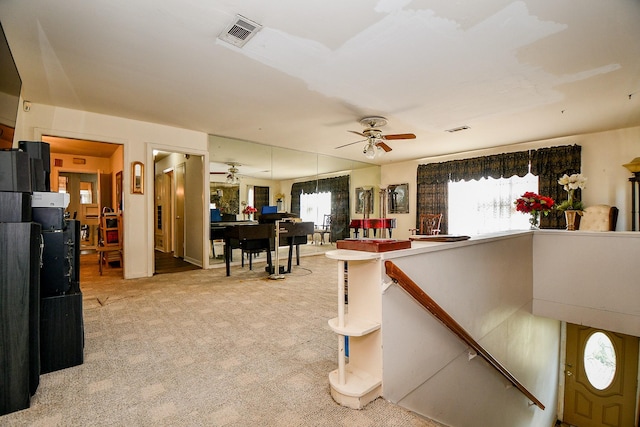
201,349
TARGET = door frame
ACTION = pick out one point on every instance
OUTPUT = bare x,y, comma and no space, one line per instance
178,220
150,172
562,382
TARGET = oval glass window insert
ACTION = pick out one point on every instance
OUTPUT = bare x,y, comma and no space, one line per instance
599,360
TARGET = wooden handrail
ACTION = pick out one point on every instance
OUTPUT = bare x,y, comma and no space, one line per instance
399,277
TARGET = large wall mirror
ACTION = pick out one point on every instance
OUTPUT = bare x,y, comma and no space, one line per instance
278,168
259,167
225,197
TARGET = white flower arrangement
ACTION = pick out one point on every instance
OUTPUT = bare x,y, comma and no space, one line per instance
570,183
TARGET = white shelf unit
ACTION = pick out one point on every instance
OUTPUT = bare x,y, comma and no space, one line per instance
358,382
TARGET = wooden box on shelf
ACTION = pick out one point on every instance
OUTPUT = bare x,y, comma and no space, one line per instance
373,245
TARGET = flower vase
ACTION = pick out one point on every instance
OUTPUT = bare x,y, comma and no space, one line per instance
570,217
534,220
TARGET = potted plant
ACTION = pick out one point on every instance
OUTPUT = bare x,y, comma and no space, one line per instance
534,204
572,207
249,210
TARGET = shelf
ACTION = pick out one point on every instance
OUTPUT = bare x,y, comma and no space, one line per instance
353,327
359,389
350,255
358,382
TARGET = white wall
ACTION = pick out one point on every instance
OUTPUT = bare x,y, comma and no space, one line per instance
587,278
365,177
487,287
603,155
138,139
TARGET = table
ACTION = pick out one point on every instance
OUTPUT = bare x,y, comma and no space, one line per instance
259,237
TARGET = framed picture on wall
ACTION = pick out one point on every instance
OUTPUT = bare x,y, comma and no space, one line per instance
364,200
137,178
398,198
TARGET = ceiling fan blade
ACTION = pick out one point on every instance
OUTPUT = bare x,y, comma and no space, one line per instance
399,136
351,143
358,133
384,146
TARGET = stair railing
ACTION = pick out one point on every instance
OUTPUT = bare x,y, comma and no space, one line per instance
398,276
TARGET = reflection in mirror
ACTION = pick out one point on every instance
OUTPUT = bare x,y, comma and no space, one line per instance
277,169
225,198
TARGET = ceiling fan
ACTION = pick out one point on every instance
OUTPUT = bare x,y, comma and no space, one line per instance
231,174
374,137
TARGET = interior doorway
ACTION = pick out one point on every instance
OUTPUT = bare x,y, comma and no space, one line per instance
178,209
601,376
83,204
91,172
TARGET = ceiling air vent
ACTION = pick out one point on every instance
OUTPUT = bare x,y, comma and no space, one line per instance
240,32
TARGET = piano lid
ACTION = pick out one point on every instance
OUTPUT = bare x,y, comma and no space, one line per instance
373,223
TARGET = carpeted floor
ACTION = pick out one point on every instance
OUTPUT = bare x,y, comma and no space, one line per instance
200,349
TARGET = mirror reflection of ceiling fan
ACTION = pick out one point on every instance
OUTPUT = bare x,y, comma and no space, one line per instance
375,145
231,174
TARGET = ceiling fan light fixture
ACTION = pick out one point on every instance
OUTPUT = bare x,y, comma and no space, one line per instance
371,150
232,178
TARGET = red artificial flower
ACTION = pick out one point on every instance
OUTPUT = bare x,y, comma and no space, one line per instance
249,210
532,202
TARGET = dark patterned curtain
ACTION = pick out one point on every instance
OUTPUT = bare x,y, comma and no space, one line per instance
548,164
260,197
298,188
339,188
433,192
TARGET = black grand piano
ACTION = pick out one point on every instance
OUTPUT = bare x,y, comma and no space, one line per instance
253,238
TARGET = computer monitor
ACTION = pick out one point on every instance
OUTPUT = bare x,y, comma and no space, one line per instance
269,210
215,215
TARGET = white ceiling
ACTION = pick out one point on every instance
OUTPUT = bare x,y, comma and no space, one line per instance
512,71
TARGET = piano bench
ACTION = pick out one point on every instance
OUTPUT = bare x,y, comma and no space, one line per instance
252,248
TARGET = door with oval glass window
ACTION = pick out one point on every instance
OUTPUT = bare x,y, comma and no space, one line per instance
600,378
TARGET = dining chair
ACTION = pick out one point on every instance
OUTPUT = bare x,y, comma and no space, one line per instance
325,228
110,240
429,224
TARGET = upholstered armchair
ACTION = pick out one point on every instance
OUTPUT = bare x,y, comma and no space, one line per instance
599,218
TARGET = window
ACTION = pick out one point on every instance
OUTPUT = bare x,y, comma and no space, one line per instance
62,184
486,205
599,360
314,206
250,198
